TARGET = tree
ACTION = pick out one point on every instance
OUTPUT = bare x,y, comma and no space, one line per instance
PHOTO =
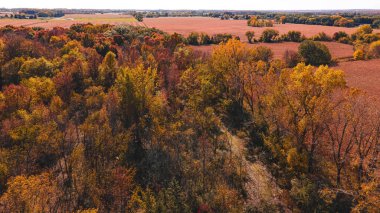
376,24
9,71
38,193
299,105
108,70
314,53
193,38
269,35
36,68
374,49
255,21
139,17
226,60
359,55
366,136
361,32
42,89
291,58
205,39
294,36
250,35
262,53
322,36
340,136
339,35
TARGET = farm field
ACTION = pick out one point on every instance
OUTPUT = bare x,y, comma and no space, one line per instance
70,19
185,25
338,50
364,75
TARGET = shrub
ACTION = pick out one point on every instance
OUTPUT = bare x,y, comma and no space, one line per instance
221,37
369,38
262,53
376,24
205,39
305,194
294,36
344,40
269,35
193,38
374,49
365,29
250,35
314,53
361,31
339,35
291,58
322,36
359,55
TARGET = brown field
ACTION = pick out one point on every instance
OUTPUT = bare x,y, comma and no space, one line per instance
337,50
70,19
364,75
185,25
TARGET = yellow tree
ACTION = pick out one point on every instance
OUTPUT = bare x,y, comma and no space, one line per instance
108,70
38,193
226,60
298,105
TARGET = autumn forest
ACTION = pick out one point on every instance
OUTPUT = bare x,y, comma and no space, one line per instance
104,118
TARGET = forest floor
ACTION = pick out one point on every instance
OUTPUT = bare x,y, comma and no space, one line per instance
261,186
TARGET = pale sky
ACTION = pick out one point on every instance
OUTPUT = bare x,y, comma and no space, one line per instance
196,4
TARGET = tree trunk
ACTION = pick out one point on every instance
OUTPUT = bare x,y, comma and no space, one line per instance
338,171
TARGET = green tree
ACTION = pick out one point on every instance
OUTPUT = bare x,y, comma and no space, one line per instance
269,35
193,38
314,53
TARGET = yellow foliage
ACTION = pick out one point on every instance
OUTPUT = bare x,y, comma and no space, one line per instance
41,88
359,55
297,161
31,194
369,197
374,49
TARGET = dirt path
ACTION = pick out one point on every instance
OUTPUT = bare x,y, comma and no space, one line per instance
261,186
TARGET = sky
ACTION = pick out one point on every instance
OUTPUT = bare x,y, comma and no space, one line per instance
196,4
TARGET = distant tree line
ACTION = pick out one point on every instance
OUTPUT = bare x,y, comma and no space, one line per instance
330,20
34,14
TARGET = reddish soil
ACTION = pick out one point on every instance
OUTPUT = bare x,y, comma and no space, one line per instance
364,75
337,50
185,25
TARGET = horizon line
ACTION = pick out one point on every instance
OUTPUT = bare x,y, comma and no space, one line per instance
15,8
